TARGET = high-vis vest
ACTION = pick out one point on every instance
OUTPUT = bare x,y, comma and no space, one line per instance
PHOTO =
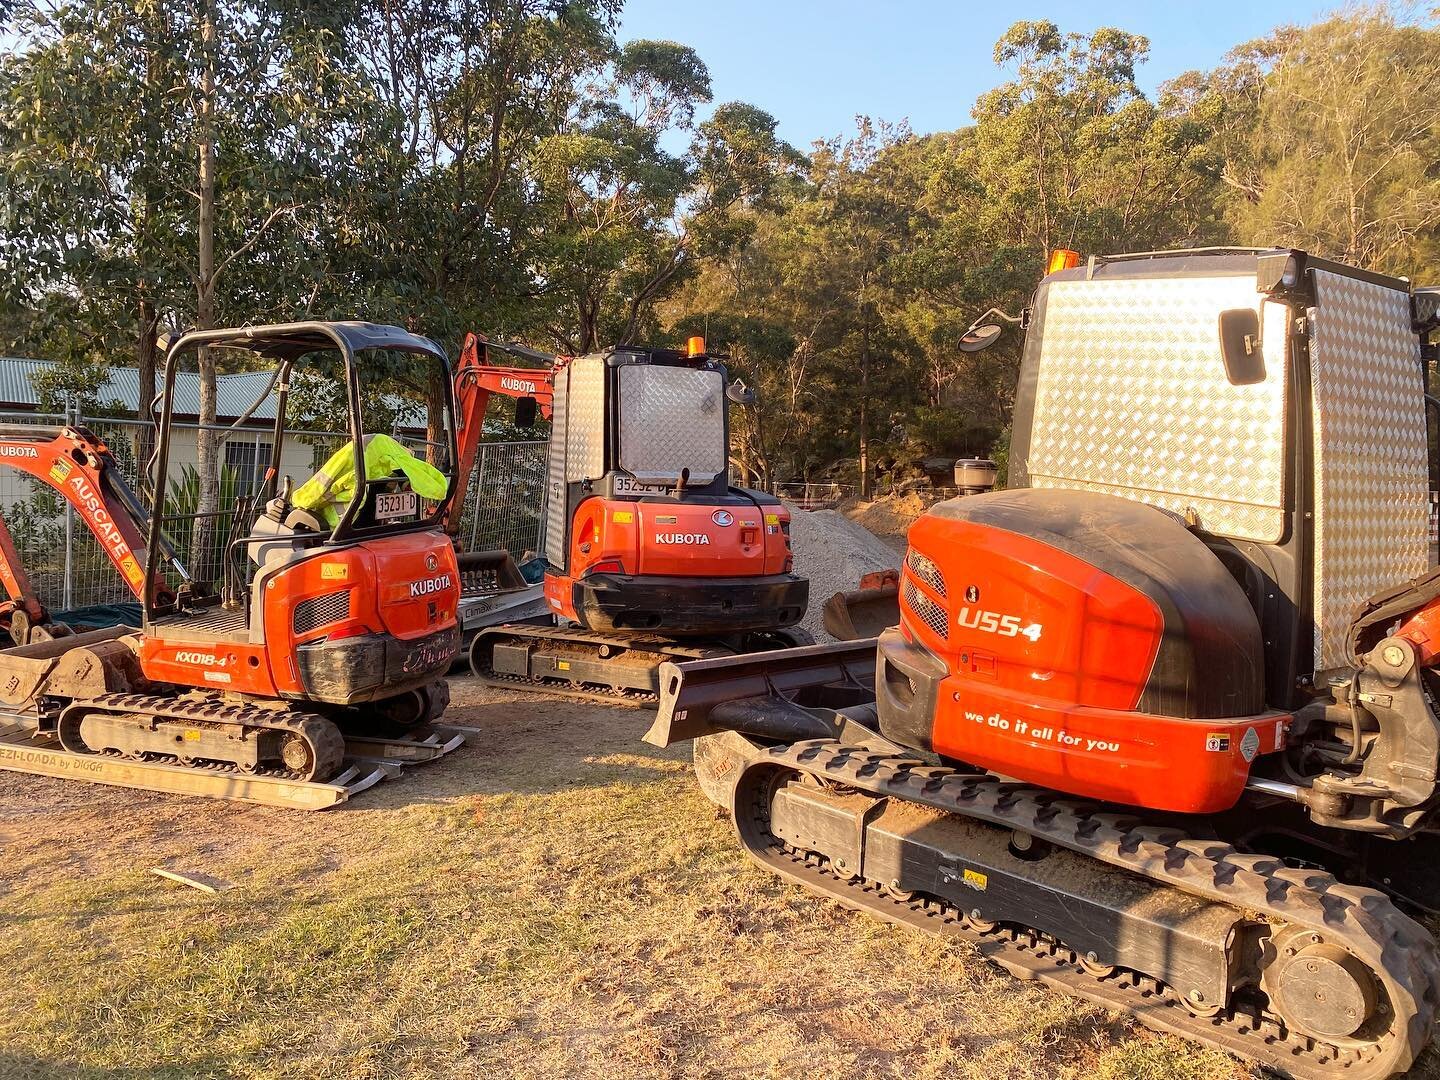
333,486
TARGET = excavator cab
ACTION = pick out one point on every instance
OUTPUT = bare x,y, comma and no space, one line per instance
643,530
336,587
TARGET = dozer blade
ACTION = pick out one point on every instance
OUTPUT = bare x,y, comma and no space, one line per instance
787,694
20,753
866,612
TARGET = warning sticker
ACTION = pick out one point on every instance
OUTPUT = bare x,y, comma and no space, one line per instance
1217,742
131,569
1250,744
976,880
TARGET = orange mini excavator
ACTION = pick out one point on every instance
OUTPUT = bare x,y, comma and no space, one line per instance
653,555
1158,724
334,626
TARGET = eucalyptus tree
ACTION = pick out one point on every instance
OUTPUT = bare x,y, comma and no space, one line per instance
623,220
1329,136
154,156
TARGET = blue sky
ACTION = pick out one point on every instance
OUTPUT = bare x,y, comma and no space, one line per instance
815,64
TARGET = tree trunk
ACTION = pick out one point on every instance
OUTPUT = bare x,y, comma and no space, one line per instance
144,441
437,448
865,407
203,561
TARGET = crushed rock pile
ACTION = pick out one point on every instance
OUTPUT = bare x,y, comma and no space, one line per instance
834,553
889,515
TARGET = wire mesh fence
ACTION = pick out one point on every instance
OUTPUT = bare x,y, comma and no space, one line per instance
504,501
814,496
69,570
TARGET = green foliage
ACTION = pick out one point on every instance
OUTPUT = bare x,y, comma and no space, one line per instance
202,549
1329,137
511,166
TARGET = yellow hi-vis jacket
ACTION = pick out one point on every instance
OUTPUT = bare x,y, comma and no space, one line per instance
334,485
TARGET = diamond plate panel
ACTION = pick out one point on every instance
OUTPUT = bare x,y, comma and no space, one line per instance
672,418
1132,400
585,420
1371,464
556,534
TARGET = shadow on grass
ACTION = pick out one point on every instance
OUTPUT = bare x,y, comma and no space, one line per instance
15,1066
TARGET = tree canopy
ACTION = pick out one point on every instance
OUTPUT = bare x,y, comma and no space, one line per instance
512,166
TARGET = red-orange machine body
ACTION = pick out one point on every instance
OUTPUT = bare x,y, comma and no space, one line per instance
344,627
1080,641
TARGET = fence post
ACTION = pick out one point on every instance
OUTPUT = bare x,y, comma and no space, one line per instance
479,487
67,591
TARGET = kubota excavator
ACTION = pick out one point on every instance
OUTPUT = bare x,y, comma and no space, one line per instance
653,556
331,630
1158,724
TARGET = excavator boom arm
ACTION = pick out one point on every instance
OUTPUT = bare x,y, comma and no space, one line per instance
475,382
80,468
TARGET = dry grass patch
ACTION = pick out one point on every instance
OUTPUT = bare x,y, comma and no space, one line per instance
555,901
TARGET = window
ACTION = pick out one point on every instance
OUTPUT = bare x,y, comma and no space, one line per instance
247,459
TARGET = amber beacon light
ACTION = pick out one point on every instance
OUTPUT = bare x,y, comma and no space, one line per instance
1062,259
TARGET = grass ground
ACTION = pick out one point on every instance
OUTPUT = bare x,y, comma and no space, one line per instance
554,900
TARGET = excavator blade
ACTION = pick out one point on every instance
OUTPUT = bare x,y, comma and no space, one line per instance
785,695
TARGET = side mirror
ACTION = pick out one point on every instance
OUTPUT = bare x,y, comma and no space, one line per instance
739,393
979,338
526,409
1240,346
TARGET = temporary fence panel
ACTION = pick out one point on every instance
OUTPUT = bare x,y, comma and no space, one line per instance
814,496
503,507
505,499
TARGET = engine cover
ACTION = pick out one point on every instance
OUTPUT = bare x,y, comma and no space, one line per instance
1078,640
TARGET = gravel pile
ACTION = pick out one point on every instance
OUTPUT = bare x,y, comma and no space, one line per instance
834,553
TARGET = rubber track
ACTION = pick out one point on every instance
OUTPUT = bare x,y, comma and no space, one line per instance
676,652
324,737
1399,951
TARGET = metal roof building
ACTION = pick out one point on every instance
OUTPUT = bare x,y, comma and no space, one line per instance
234,392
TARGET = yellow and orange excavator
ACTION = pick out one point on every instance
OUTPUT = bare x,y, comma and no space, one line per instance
331,632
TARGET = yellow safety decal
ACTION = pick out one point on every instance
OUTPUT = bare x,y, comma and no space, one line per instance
191,735
772,519
623,517
131,569
1217,742
59,471
331,571
975,879
562,665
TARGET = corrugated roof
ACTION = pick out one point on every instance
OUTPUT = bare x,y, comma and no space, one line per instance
233,393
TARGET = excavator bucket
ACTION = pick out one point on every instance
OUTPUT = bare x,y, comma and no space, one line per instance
486,573
865,612
493,591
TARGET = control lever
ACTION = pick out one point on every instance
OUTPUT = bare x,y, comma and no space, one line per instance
276,507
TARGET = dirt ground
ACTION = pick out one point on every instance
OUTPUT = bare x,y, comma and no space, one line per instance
554,899
889,516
